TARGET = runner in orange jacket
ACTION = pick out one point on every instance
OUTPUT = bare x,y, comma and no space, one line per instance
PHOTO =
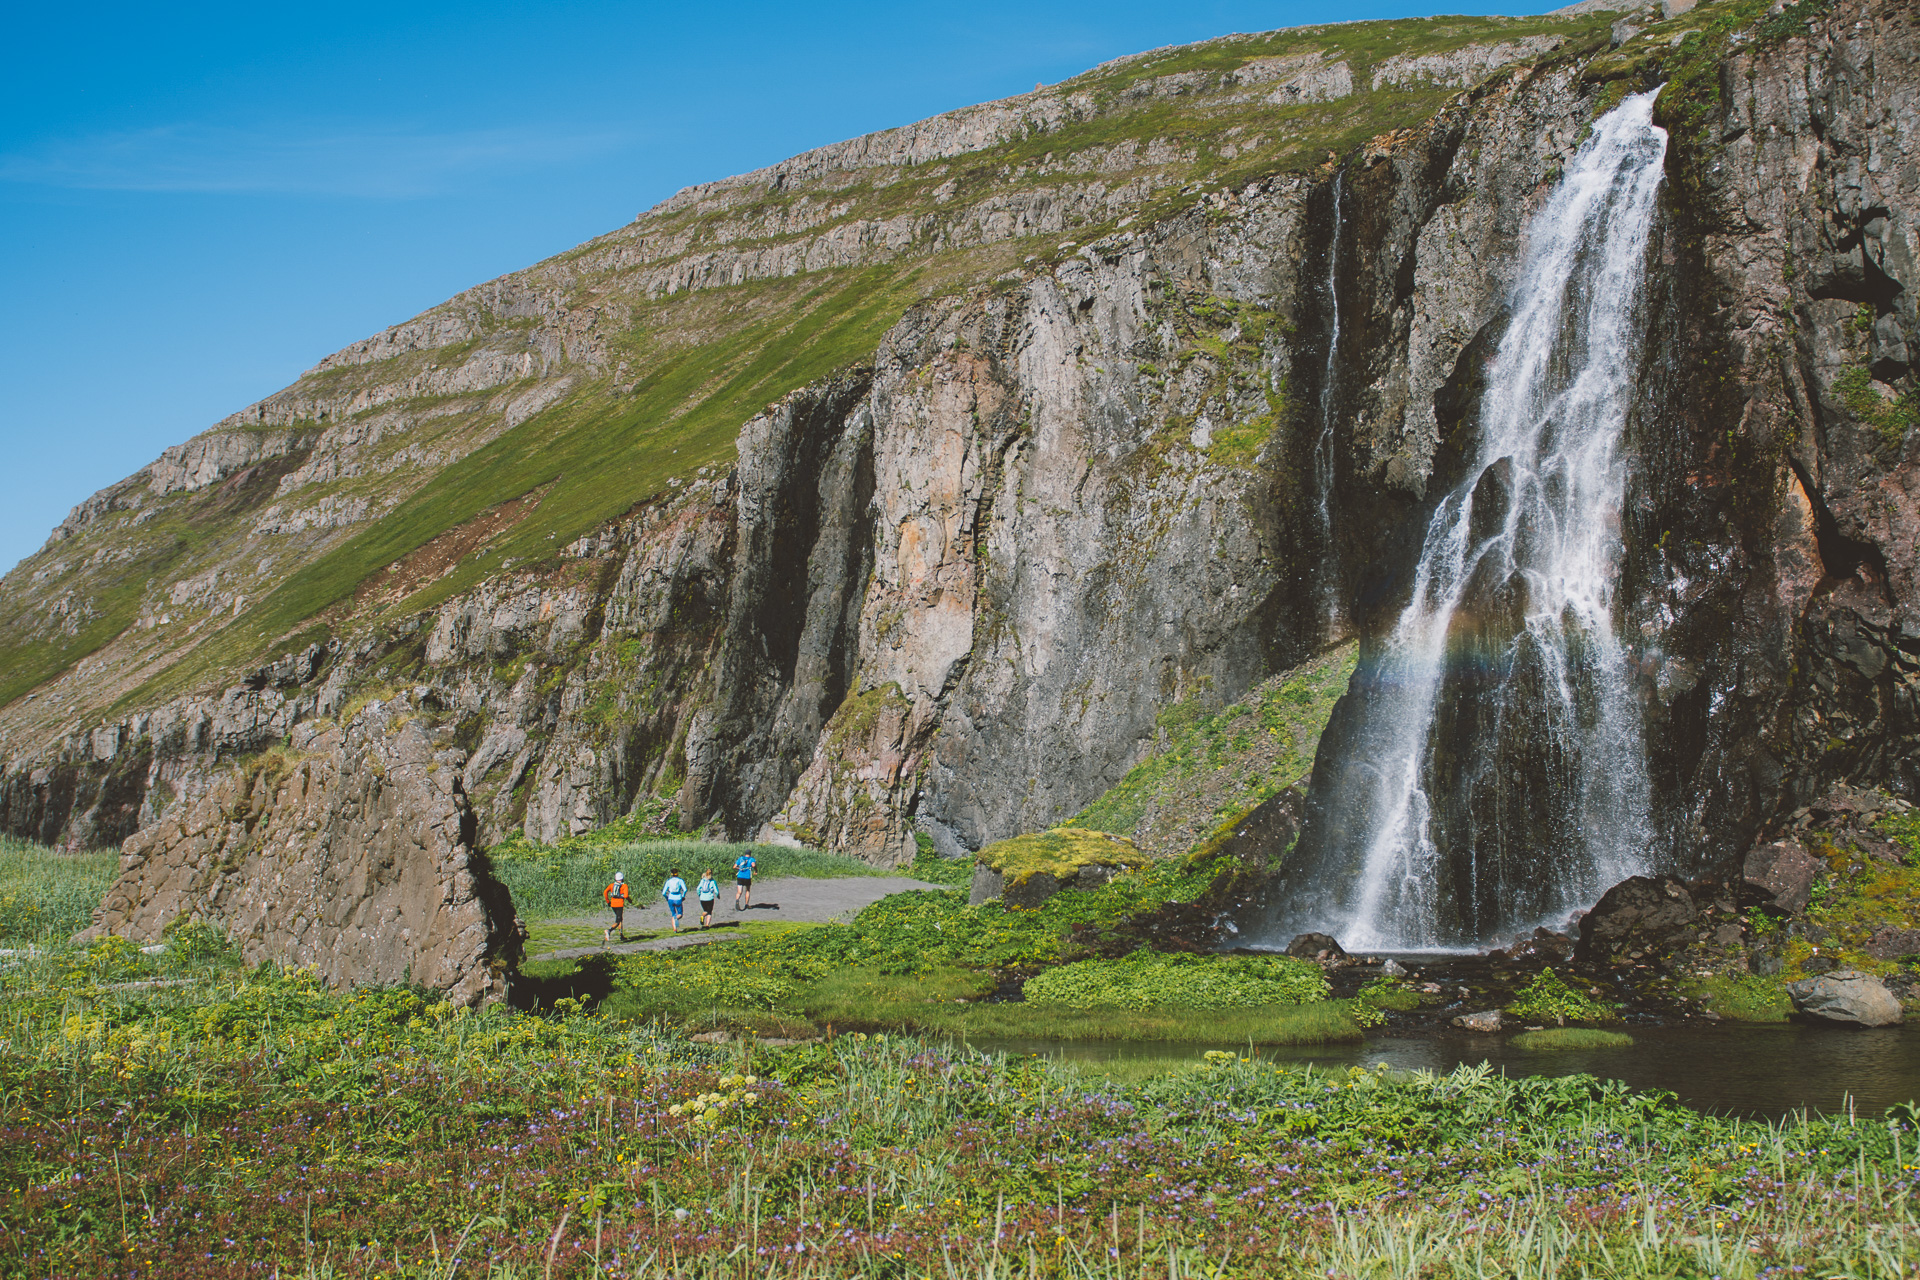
617,895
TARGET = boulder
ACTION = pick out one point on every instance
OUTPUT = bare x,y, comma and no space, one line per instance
1847,997
1487,1021
1023,872
1638,918
1025,895
1316,946
1781,875
987,884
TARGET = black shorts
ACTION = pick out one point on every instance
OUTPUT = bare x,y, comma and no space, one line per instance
706,905
619,914
745,882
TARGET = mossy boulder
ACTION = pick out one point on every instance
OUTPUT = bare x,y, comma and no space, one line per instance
1027,870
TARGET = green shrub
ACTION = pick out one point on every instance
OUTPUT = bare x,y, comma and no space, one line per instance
197,944
1747,998
931,867
1549,999
1388,993
1154,980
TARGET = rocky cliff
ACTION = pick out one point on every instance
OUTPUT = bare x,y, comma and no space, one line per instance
902,486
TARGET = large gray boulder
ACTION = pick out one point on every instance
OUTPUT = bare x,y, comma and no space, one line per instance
1846,996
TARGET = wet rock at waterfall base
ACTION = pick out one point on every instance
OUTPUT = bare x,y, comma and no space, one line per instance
1636,921
1318,946
1543,946
1847,997
1781,875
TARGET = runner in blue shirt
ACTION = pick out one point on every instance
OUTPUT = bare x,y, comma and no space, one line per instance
675,892
743,881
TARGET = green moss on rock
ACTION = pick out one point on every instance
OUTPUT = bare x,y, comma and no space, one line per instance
1060,853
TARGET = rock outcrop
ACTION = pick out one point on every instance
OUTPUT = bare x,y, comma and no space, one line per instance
350,851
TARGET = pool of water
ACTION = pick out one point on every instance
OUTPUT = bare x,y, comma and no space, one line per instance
1767,1071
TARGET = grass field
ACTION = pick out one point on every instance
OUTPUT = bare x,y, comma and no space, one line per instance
253,1123
48,894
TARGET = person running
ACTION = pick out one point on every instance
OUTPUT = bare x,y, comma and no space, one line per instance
708,891
617,895
743,880
675,892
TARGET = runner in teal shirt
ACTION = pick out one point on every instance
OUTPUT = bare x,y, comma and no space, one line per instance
708,891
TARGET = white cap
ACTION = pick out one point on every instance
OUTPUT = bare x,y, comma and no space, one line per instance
619,875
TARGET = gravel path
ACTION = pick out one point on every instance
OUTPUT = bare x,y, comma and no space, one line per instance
790,900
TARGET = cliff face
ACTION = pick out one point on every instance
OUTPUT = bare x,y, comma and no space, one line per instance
1013,495
1787,465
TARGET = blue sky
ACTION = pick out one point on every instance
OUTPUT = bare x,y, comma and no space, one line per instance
199,202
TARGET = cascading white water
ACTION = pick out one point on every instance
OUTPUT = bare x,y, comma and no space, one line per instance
1323,445
1496,776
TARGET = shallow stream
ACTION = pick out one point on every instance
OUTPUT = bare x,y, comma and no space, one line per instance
1746,1070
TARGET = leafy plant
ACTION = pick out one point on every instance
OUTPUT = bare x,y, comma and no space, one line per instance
261,1122
1549,999
1385,992
193,943
929,866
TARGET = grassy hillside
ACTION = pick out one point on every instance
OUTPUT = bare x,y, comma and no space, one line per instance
585,384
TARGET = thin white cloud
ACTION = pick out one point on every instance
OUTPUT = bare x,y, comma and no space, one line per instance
368,164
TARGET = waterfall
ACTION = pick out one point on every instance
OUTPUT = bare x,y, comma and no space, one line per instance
1323,445
1492,773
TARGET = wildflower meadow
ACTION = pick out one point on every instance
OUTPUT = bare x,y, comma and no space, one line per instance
179,1115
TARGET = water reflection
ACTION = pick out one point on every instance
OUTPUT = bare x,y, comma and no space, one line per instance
1764,1071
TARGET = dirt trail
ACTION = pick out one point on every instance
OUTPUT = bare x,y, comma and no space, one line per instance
788,900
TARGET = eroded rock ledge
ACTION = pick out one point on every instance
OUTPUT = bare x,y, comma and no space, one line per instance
351,851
